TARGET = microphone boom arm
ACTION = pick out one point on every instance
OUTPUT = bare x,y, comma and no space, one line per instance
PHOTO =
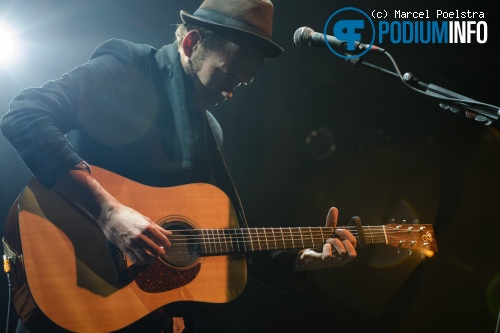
481,112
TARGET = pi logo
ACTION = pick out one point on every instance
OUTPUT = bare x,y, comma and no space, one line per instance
350,25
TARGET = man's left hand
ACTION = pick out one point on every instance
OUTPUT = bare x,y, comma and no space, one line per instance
337,251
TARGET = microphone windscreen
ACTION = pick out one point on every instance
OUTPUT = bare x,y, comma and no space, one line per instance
302,36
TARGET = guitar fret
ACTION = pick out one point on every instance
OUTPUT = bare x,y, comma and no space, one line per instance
204,241
265,237
238,233
291,236
244,236
236,240
225,240
210,241
223,244
274,237
312,238
241,241
220,241
210,236
207,241
283,238
301,238
231,240
258,238
245,241
214,241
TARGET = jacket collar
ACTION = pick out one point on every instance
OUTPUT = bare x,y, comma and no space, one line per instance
169,63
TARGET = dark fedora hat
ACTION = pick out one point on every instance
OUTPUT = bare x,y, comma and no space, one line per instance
251,20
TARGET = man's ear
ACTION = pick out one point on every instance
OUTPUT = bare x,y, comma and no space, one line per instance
190,42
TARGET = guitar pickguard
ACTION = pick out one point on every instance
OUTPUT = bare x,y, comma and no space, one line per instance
179,265
160,277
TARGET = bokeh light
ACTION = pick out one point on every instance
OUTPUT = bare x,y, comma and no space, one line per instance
7,45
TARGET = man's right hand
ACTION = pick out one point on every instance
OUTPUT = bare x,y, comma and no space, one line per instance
136,235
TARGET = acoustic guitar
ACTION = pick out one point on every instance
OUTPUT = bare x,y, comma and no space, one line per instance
66,274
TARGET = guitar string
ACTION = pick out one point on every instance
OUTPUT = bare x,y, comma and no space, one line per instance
270,233
240,233
294,231
222,248
288,242
254,236
220,245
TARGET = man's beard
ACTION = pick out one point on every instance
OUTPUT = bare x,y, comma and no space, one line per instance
200,91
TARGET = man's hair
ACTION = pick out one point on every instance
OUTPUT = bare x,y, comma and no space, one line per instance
210,40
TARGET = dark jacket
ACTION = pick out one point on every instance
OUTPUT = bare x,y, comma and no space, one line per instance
128,103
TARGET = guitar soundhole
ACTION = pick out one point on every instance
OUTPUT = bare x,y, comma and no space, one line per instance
185,249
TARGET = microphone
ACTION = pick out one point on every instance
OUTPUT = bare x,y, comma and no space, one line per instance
306,36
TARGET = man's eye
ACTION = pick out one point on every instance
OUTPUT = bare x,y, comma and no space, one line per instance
232,77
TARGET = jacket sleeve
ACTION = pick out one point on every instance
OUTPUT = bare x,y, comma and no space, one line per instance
39,118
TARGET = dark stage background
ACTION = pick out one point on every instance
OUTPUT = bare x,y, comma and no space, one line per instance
381,151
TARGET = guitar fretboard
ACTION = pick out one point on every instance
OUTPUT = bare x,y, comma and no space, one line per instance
226,241
210,242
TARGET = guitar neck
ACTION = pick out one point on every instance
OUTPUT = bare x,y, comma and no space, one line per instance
228,241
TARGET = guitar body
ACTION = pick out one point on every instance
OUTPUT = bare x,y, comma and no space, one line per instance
67,274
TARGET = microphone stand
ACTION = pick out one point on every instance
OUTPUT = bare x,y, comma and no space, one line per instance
449,100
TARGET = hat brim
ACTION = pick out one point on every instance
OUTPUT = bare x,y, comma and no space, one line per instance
266,45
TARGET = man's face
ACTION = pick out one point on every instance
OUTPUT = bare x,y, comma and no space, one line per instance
217,73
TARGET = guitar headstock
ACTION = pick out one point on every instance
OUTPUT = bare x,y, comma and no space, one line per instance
411,236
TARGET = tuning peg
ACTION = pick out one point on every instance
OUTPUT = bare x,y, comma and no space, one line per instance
415,221
444,106
452,108
403,221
